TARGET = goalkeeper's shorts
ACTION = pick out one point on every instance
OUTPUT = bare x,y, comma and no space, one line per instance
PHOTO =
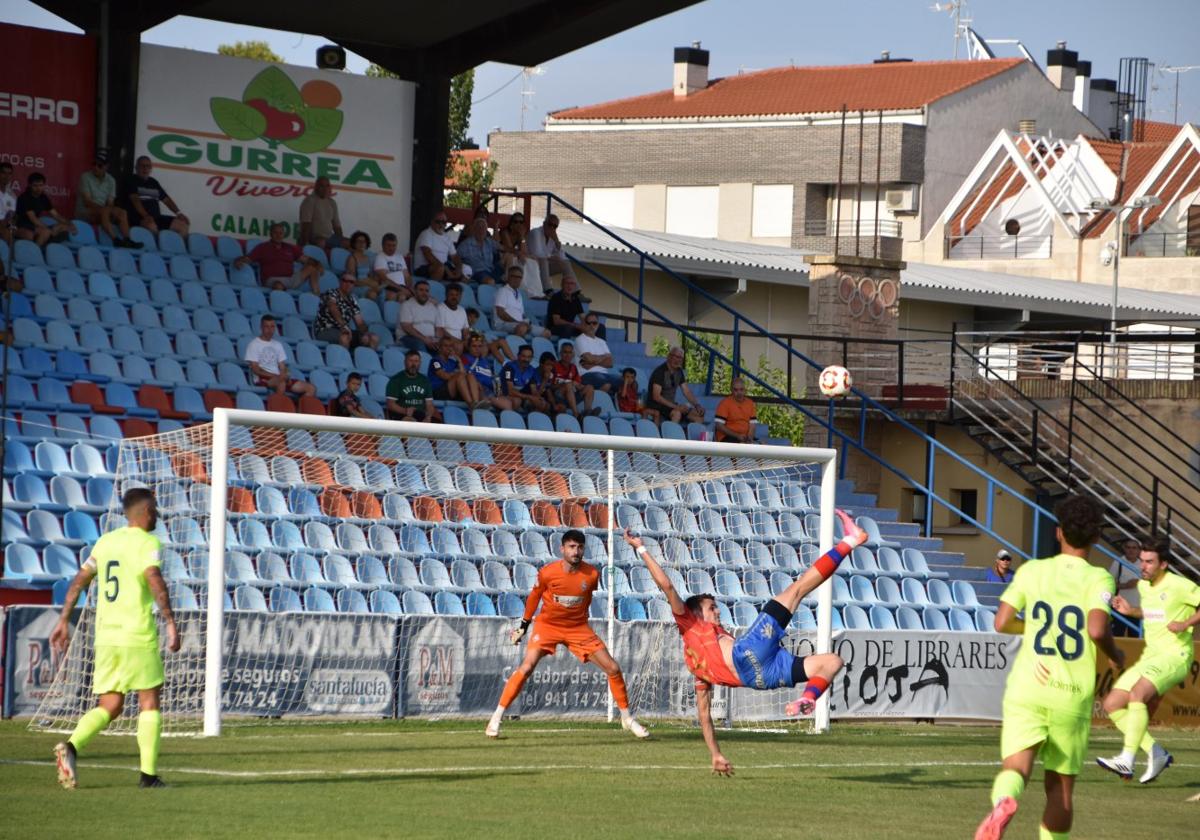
581,640
125,669
1164,670
1062,734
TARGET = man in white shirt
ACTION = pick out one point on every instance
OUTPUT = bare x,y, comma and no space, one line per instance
510,309
595,358
434,255
418,320
267,358
1127,580
452,319
391,270
544,247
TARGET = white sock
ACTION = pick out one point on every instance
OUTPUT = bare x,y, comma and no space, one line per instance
1126,757
499,712
626,714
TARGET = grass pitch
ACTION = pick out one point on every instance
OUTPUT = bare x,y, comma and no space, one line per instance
547,779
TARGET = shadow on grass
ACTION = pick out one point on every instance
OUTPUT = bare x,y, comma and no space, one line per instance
443,777
908,779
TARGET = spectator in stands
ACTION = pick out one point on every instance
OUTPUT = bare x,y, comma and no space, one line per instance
435,256
1127,580
517,378
8,206
510,308
340,321
1002,567
267,358
564,312
417,327
450,379
514,250
546,248
391,271
498,348
95,202
629,397
276,261
736,415
451,319
142,198
32,206
595,358
666,382
568,384
545,385
410,395
347,403
320,224
479,251
478,364
358,264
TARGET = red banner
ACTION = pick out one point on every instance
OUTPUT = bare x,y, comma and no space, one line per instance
48,108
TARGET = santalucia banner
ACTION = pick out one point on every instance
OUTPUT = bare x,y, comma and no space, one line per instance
238,143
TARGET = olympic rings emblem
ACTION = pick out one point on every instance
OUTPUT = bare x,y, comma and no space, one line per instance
867,295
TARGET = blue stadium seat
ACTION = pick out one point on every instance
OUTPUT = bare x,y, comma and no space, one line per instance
249,598
964,595
383,602
915,564
170,242
480,604
630,609
21,561
418,603
934,619
510,605
908,618
882,618
447,603
351,601
985,620
961,620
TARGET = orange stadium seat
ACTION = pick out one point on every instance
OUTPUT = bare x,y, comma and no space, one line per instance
545,514
136,427
334,503
572,514
426,509
240,500
487,512
151,396
366,506
456,510
598,514
316,471
214,399
281,402
189,465
86,393
311,405
554,485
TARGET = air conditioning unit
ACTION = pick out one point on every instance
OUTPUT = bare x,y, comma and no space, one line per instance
901,199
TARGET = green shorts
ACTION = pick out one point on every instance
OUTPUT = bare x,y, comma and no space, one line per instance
125,669
1063,735
1164,670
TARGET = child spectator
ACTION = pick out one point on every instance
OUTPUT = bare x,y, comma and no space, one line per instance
478,364
32,205
629,399
347,403
568,384
450,379
498,348
545,385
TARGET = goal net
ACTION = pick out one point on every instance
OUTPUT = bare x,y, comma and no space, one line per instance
330,567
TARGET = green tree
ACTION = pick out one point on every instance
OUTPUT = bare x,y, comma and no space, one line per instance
257,50
476,175
781,420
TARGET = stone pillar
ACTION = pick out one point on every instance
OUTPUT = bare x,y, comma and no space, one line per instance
854,297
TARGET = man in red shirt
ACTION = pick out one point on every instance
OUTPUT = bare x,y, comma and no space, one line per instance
564,589
568,384
757,659
276,261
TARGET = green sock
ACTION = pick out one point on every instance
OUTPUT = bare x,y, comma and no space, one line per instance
1118,718
1136,721
149,735
1008,783
89,726
1046,834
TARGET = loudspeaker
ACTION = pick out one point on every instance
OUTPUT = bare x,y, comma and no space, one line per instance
331,57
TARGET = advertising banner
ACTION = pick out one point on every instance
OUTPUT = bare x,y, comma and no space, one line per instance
238,143
48,108
29,663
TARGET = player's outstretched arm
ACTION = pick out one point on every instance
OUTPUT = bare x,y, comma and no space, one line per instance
656,572
61,633
720,764
162,599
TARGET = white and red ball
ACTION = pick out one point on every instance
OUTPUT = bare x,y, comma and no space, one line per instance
835,381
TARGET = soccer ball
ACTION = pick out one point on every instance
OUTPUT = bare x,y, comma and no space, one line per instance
835,381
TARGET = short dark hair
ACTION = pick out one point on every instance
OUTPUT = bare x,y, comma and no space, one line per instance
629,370
471,310
411,353
389,237
574,535
546,357
563,344
525,347
353,375
363,234
453,287
694,602
421,282
5,165
136,496
1079,519
265,318
1159,545
35,178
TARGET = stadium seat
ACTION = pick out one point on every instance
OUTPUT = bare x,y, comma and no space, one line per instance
908,618
915,564
934,619
351,601
985,620
961,620
964,595
318,600
249,598
882,618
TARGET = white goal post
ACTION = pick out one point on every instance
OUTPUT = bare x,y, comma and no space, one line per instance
224,419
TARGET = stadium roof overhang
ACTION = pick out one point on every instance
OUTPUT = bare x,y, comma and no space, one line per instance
410,38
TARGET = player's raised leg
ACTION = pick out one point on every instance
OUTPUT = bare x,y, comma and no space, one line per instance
616,684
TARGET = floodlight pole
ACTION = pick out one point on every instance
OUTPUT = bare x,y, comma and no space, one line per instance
1120,210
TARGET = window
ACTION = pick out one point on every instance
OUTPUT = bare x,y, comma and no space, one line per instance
692,211
772,211
968,503
611,206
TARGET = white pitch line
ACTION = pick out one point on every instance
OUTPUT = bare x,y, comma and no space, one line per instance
414,771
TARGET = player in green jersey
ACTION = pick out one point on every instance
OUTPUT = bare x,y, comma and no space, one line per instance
126,644
1048,696
1168,613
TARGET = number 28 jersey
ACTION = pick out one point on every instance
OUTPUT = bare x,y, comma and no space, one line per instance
124,615
1056,666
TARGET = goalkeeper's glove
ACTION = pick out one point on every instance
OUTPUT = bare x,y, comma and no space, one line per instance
517,633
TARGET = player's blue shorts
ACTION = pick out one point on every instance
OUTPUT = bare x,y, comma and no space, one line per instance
759,657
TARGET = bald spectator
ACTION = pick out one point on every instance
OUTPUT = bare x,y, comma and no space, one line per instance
564,312
267,358
435,255
546,248
277,263
96,199
667,383
510,309
144,198
320,224
736,415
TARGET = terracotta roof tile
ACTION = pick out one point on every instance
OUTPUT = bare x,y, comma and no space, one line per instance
1151,131
805,90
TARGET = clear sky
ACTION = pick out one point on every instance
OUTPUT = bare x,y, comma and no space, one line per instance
755,34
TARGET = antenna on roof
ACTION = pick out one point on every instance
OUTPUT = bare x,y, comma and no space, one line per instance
962,21
527,75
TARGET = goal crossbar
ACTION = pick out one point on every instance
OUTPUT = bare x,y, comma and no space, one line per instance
224,419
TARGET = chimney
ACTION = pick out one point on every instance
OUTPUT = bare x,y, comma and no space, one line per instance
1083,86
1060,67
691,70
1102,106
1027,127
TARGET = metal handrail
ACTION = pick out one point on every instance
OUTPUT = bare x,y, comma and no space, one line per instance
962,247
